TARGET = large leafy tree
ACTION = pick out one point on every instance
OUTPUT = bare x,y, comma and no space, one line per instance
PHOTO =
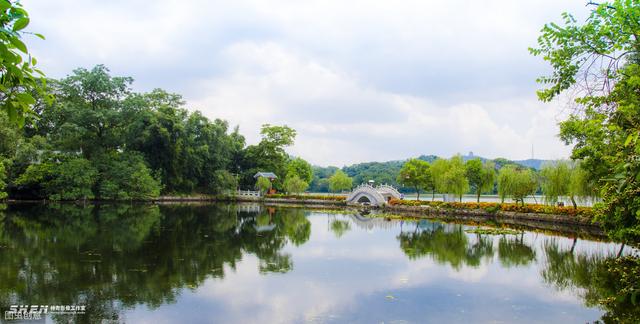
88,115
416,173
20,81
300,168
598,63
268,155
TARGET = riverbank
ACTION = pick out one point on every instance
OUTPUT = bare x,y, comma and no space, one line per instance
579,224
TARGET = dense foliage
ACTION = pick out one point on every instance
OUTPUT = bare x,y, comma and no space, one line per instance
100,140
20,81
492,207
598,63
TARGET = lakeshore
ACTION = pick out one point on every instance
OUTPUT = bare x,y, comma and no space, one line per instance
578,226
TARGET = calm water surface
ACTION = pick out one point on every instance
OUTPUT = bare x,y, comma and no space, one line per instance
252,264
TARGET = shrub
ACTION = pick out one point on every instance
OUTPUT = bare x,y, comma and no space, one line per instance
495,207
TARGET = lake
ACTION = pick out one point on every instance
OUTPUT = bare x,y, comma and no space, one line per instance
247,263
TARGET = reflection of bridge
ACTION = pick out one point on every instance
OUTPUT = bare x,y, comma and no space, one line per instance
375,196
369,223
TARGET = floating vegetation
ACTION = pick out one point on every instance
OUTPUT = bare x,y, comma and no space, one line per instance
494,231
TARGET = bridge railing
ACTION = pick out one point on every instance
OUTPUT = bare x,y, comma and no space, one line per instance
248,193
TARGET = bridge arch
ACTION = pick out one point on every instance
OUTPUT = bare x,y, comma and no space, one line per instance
375,196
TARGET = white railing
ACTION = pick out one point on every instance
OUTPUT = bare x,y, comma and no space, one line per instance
248,193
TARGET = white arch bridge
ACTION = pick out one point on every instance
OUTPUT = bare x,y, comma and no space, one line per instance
375,196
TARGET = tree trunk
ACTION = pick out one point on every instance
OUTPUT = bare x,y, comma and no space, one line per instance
573,201
433,195
573,246
621,249
417,193
478,196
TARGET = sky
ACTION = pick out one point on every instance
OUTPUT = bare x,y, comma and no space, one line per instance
358,80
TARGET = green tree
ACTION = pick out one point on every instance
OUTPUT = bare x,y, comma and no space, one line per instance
3,179
581,187
450,176
19,78
600,58
88,113
301,168
263,184
294,185
417,174
269,154
340,181
125,176
223,182
555,179
516,183
481,176
73,180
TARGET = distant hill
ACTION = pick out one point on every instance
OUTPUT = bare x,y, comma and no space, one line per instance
386,172
532,163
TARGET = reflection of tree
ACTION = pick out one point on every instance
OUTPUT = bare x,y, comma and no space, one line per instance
339,227
446,244
109,255
605,281
512,251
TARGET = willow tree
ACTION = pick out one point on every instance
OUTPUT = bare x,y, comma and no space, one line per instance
555,180
566,178
294,185
450,176
516,183
481,176
416,173
598,63
340,181
263,184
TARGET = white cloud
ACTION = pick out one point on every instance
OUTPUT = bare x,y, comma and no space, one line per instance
359,80
342,121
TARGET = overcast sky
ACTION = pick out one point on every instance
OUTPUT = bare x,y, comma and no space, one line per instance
359,80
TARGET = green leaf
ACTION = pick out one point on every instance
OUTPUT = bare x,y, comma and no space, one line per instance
39,36
25,98
11,110
4,5
21,24
631,138
19,45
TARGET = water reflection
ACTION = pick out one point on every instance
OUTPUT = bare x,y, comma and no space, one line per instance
132,254
606,281
514,251
446,244
296,265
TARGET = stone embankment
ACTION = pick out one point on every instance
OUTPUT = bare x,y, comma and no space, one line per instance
551,222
